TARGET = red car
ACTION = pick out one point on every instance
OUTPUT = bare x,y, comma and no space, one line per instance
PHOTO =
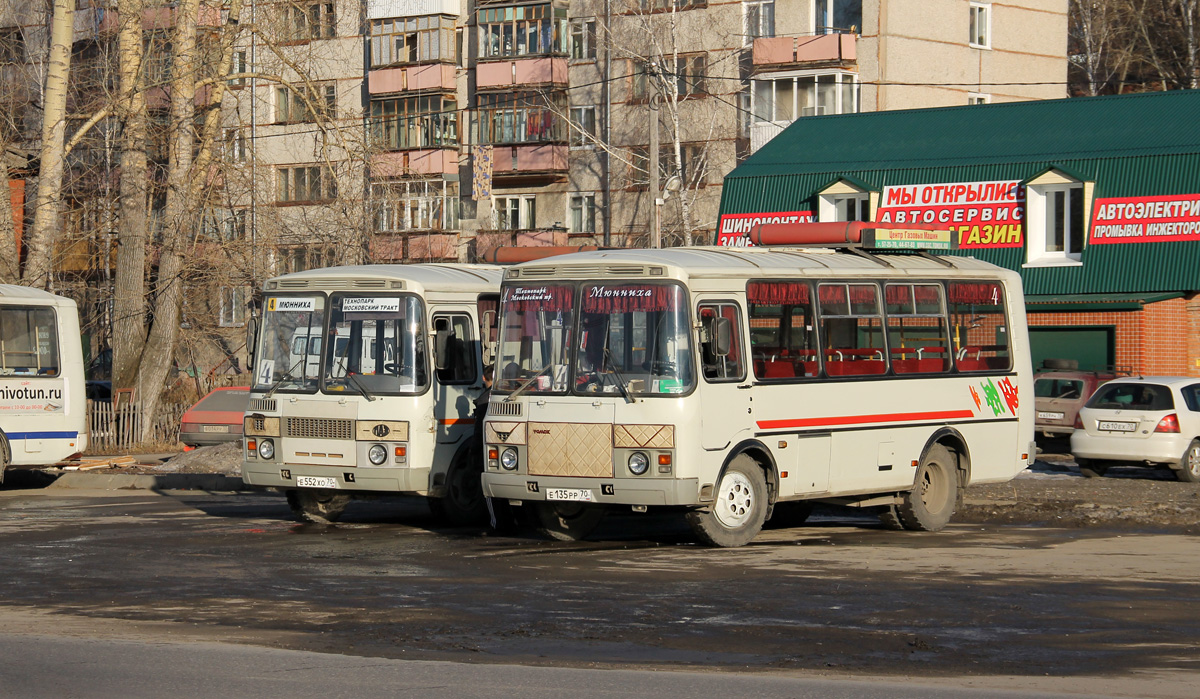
216,418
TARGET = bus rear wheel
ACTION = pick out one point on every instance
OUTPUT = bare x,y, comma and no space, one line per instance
568,521
929,506
317,506
740,509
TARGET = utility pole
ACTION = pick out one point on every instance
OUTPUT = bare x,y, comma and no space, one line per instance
656,228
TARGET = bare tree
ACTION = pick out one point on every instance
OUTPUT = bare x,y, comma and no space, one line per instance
1169,43
1100,40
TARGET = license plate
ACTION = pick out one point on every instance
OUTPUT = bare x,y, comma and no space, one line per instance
214,428
1050,416
316,482
570,494
1108,426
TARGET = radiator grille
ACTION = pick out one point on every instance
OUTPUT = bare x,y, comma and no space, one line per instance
264,404
320,428
505,409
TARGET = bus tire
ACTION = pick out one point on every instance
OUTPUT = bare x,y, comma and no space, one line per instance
1090,468
4,456
1189,471
790,514
568,521
317,506
740,509
931,503
463,505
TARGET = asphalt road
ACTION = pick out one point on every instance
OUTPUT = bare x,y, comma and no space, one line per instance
1089,611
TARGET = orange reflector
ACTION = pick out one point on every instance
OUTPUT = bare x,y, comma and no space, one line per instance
914,463
493,453
401,451
252,444
1024,457
783,474
664,459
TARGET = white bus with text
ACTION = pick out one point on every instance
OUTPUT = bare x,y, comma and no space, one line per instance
740,385
43,403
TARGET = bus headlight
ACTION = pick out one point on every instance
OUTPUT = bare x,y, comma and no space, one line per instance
638,463
377,454
266,449
508,459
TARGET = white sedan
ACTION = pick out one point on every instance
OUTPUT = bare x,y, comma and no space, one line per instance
1144,421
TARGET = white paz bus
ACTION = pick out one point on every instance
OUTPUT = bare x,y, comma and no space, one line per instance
737,385
363,385
43,408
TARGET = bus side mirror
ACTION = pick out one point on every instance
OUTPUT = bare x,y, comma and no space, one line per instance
441,343
251,337
722,336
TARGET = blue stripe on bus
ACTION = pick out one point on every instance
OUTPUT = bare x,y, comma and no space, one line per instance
41,435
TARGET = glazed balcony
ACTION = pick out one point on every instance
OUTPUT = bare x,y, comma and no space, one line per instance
377,9
777,53
429,77
496,75
414,246
91,20
424,161
530,161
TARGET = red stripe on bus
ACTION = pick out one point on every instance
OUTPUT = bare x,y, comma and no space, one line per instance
862,419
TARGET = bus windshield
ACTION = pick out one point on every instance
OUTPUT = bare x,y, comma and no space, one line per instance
289,354
377,345
633,338
535,334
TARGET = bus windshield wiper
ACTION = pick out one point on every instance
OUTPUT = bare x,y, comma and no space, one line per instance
612,369
361,388
528,382
279,382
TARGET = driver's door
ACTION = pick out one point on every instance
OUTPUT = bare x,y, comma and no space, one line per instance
724,378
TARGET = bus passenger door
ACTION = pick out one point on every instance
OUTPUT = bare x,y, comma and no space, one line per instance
457,380
725,404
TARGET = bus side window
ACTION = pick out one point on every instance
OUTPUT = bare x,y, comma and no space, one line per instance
717,366
977,326
852,330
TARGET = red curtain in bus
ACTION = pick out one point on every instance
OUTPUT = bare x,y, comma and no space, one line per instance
897,294
777,293
978,293
625,298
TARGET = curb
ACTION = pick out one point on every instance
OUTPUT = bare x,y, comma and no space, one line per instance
167,481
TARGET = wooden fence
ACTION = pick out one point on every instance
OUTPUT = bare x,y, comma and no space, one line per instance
114,429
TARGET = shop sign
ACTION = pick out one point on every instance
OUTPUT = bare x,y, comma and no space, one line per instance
1145,219
983,214
909,239
733,230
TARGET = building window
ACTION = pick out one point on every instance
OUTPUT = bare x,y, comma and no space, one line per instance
303,257
234,300
759,19
583,213
415,122
412,39
301,21
416,205
837,16
234,225
305,103
529,30
235,145
583,39
12,45
239,66
527,118
692,170
981,25
845,206
782,100
663,5
516,213
978,98
583,126
304,183
688,76
1055,216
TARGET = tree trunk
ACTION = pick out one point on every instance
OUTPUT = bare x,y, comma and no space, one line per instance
178,217
10,271
129,283
42,235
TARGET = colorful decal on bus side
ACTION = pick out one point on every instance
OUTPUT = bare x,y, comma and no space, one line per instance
998,397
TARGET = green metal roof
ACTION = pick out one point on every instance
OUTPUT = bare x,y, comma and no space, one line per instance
1128,145
1062,303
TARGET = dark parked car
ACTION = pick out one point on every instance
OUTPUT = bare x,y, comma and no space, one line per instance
1059,390
216,418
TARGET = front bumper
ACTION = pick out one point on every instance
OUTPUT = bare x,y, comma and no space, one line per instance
611,491
412,481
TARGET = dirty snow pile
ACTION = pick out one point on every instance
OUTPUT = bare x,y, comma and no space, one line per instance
222,458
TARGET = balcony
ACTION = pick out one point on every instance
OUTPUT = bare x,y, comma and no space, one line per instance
544,162
524,71
487,240
436,76
92,20
381,9
776,53
413,247
763,131
426,161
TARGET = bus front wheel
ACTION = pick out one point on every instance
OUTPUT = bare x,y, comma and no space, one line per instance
740,508
568,521
317,506
463,504
929,506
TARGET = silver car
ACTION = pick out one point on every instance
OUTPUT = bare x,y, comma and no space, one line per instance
1145,421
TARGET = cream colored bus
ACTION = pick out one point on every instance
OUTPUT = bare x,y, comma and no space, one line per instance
363,385
741,385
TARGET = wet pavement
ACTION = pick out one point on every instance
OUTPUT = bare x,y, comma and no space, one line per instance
840,596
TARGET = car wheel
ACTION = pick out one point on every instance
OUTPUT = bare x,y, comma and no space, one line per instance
740,508
931,503
317,506
1090,468
1190,464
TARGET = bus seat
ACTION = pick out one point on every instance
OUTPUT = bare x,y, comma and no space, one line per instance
778,370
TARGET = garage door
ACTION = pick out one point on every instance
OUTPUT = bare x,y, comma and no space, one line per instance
1094,347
